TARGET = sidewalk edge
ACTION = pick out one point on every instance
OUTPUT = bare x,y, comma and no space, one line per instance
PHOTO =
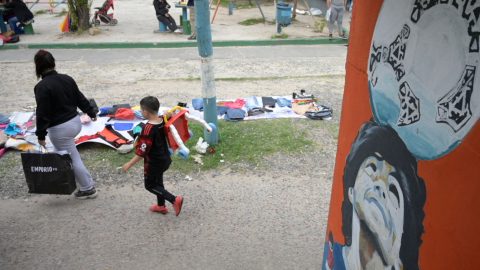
178,44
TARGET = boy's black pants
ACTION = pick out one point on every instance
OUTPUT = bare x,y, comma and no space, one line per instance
154,181
169,22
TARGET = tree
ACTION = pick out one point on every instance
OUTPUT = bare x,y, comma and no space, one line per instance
80,13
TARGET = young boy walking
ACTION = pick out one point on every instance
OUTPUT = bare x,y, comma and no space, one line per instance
152,147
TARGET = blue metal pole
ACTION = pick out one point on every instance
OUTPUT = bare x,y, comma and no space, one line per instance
205,50
258,4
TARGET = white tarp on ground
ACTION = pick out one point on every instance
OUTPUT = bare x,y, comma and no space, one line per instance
92,128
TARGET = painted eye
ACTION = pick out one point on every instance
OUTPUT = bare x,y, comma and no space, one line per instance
394,193
370,169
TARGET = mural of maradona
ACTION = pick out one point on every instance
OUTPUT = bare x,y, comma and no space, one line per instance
424,98
382,211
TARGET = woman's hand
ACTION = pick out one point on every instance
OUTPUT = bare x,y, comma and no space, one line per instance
166,16
42,143
168,6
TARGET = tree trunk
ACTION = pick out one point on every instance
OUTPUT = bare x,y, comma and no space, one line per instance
83,17
79,14
294,11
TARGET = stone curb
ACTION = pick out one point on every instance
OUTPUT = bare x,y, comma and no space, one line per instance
178,44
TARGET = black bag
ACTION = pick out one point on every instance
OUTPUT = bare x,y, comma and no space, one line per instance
323,113
113,110
14,39
48,173
94,105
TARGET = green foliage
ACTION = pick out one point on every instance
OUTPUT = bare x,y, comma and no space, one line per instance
79,14
62,13
252,21
318,26
40,12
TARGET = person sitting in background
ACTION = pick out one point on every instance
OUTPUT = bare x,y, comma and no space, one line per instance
161,9
22,15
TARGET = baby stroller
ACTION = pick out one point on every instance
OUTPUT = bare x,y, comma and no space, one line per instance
102,14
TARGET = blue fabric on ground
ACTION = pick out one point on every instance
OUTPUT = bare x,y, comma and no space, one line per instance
197,104
4,119
12,129
103,111
122,126
138,113
283,102
234,115
221,110
251,103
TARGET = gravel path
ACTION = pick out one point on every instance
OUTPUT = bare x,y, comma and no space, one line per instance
271,216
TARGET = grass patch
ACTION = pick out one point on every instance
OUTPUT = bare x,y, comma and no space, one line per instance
243,79
281,36
242,142
252,21
40,12
10,160
225,4
242,6
62,13
245,142
333,127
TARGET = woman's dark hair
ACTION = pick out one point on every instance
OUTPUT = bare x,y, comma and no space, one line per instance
384,140
151,104
43,62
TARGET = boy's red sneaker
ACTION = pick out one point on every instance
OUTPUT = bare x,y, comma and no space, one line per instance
177,205
161,209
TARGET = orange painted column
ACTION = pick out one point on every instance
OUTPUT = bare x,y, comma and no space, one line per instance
452,207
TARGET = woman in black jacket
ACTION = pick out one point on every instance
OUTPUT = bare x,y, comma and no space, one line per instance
58,97
22,15
161,9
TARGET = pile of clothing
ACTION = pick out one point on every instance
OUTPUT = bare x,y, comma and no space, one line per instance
299,106
13,131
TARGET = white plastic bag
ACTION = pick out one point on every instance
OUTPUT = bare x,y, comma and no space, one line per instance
327,16
201,146
299,11
315,11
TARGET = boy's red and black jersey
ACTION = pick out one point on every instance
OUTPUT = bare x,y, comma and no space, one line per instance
152,144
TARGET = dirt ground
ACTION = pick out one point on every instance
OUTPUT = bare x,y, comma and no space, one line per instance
136,22
131,75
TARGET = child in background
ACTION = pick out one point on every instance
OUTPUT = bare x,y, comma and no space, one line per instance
152,147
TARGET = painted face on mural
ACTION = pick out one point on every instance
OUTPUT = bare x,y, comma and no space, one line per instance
378,201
